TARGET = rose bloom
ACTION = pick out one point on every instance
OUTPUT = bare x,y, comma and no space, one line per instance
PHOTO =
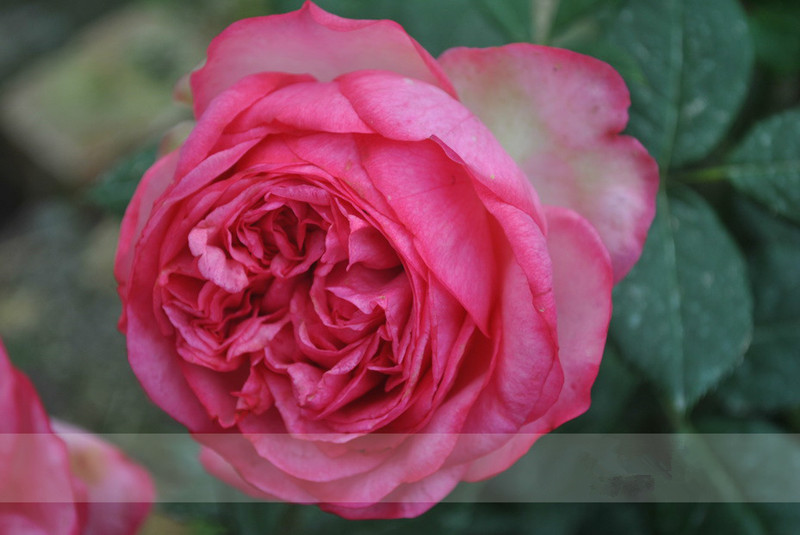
72,483
369,274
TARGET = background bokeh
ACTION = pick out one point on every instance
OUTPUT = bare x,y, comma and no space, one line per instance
86,97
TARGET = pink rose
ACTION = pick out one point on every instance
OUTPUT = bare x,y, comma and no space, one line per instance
69,484
374,274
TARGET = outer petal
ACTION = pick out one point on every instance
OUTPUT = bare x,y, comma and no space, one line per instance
310,41
153,184
36,488
582,279
559,114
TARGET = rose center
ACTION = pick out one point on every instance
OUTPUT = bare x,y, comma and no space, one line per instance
289,292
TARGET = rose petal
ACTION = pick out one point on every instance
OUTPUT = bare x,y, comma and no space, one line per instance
311,41
406,501
582,279
152,355
559,114
37,491
223,111
153,184
214,264
312,106
120,493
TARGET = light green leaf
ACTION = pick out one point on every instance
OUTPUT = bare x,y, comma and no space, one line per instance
696,58
766,164
683,316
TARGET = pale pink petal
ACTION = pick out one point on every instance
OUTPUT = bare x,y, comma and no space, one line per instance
559,115
582,279
309,41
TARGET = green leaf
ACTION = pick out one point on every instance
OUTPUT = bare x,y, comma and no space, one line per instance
775,35
571,11
696,59
511,17
766,164
115,188
770,373
683,316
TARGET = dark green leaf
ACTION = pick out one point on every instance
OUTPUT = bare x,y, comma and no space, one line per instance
770,373
696,59
115,188
759,461
684,314
615,518
766,164
703,518
776,35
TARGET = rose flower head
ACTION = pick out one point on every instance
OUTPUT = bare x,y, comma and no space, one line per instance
369,274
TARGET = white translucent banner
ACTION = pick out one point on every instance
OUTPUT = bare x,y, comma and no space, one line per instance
558,468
